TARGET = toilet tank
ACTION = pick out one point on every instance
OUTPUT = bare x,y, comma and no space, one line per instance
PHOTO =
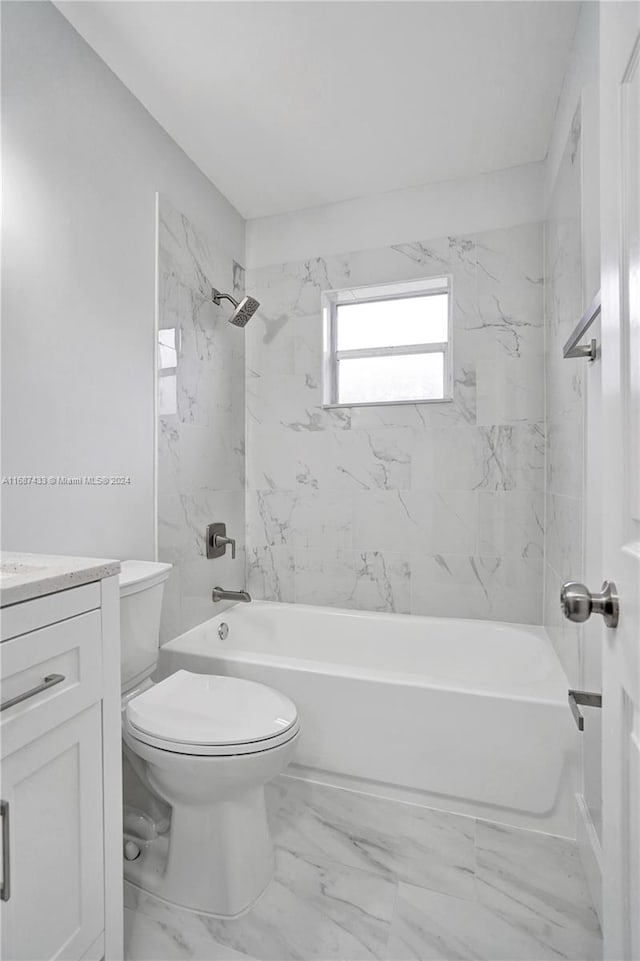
141,587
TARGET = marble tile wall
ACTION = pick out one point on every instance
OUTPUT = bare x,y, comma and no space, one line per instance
201,456
565,408
431,509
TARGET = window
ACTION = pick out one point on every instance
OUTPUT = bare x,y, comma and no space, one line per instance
387,344
167,371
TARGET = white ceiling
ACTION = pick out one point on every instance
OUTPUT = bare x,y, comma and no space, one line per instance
287,105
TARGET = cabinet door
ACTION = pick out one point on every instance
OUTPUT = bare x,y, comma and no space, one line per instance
53,788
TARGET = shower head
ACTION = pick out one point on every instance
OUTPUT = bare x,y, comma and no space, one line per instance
244,310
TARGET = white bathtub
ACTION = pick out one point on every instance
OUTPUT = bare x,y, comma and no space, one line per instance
467,716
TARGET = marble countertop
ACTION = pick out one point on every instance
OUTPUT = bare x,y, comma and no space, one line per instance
25,576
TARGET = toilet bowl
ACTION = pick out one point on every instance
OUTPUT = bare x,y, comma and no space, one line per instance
206,745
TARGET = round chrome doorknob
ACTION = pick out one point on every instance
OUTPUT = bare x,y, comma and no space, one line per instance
575,600
578,603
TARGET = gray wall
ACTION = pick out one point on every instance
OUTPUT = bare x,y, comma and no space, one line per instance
82,161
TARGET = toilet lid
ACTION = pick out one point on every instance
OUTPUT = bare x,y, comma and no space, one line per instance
208,709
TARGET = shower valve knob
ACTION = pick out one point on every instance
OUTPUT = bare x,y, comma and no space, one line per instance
220,541
217,541
578,603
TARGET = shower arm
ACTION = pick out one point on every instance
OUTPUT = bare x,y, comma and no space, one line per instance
216,296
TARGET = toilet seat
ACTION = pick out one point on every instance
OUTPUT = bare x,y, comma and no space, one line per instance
211,715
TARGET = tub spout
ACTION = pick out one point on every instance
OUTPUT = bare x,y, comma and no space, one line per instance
219,594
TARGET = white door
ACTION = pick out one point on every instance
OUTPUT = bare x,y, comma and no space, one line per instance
620,250
53,885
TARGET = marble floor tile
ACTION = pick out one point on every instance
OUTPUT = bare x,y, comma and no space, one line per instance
437,927
537,883
149,939
364,877
308,911
399,841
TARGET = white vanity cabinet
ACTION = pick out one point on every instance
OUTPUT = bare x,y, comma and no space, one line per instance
61,887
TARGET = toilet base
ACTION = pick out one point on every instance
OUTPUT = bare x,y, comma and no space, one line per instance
217,859
146,873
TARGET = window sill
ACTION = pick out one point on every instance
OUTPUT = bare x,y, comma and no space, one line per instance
391,403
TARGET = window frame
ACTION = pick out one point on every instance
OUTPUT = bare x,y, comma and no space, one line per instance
376,293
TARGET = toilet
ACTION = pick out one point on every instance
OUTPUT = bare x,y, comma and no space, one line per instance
205,745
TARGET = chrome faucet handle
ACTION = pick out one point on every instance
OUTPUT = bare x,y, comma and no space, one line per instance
221,540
